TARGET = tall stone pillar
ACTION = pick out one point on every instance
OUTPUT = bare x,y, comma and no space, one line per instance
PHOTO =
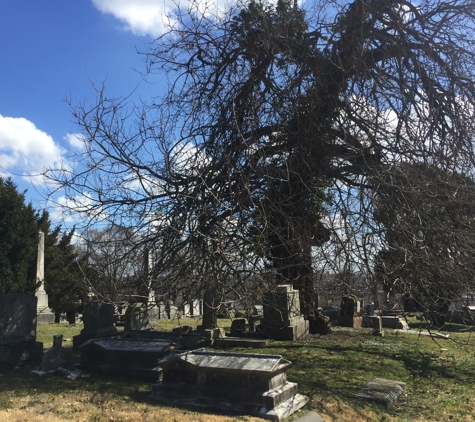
44,312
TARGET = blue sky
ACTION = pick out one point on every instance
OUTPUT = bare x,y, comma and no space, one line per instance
55,49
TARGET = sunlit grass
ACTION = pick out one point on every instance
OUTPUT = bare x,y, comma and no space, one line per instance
328,369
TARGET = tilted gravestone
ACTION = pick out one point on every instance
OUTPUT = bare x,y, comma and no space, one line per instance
282,318
98,318
241,383
18,330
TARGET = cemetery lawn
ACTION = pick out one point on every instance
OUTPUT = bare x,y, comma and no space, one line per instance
440,378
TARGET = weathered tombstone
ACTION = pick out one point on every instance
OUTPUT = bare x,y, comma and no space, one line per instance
231,382
196,308
186,310
282,318
18,330
377,326
44,312
136,317
348,313
98,318
71,317
383,391
370,309
56,356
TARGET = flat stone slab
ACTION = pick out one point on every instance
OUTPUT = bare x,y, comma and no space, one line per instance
383,391
126,345
310,417
240,342
425,333
229,361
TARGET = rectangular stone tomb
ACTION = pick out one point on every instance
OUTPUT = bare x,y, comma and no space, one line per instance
233,383
124,356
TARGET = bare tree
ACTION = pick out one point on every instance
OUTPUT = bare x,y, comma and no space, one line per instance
275,122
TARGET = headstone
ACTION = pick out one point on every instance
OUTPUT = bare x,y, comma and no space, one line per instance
196,308
377,326
136,317
98,318
56,356
231,382
282,318
186,310
370,309
238,327
18,330
383,391
349,316
44,312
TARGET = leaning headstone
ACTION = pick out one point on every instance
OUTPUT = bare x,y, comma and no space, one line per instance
282,318
382,391
98,318
238,383
18,330
136,317
56,356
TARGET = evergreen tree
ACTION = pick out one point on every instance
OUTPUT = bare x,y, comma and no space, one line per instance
18,240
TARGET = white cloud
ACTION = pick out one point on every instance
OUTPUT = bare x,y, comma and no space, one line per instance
24,148
75,140
142,17
153,17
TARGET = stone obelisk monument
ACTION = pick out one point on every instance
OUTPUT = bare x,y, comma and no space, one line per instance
44,312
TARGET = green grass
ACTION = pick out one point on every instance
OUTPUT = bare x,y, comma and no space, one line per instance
440,376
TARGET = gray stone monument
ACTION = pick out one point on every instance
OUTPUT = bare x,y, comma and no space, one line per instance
237,383
349,316
282,318
136,317
98,318
18,330
44,312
